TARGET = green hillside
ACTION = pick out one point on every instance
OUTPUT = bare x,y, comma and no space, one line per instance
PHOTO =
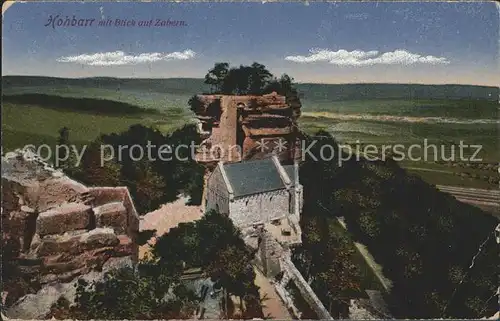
169,85
309,91
369,113
335,92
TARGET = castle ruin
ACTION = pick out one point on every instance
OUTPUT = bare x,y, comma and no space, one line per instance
61,230
237,128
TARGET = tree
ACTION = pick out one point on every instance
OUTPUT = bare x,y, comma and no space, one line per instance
215,76
152,181
259,77
326,260
286,84
282,85
125,294
237,81
255,79
68,162
147,187
95,171
195,186
214,244
63,138
413,230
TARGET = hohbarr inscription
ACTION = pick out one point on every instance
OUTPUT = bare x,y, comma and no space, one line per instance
66,21
73,21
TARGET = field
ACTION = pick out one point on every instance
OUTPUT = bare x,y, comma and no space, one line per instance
435,128
358,115
37,124
144,99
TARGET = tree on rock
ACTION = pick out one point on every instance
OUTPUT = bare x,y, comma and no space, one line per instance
255,79
215,76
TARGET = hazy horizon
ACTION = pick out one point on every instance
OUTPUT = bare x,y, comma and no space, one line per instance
332,43
296,82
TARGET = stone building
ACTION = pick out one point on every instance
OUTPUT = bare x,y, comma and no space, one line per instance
258,193
234,127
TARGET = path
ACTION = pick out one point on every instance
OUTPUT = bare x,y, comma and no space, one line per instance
376,268
429,170
272,306
166,217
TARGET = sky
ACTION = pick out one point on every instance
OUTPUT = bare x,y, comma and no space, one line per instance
348,42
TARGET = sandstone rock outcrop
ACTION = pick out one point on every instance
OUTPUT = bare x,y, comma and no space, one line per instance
37,305
62,228
238,128
111,214
65,217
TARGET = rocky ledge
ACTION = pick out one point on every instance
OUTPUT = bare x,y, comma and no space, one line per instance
60,230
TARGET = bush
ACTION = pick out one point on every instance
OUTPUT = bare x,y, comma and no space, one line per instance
125,294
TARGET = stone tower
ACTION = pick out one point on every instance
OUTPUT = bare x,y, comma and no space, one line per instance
236,128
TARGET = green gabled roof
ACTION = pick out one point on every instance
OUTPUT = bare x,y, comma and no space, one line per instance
253,177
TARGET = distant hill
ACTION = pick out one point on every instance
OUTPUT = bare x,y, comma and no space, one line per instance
309,91
88,105
331,92
168,85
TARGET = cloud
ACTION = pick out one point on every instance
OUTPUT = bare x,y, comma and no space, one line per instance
119,58
356,16
366,58
101,10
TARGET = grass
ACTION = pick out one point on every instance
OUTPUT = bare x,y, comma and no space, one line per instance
369,121
441,178
446,136
144,99
461,109
31,124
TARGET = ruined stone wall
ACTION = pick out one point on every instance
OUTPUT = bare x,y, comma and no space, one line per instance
114,207
274,258
260,208
227,123
63,228
305,289
245,121
300,195
269,255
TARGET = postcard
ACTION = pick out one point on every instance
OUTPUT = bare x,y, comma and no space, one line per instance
250,160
